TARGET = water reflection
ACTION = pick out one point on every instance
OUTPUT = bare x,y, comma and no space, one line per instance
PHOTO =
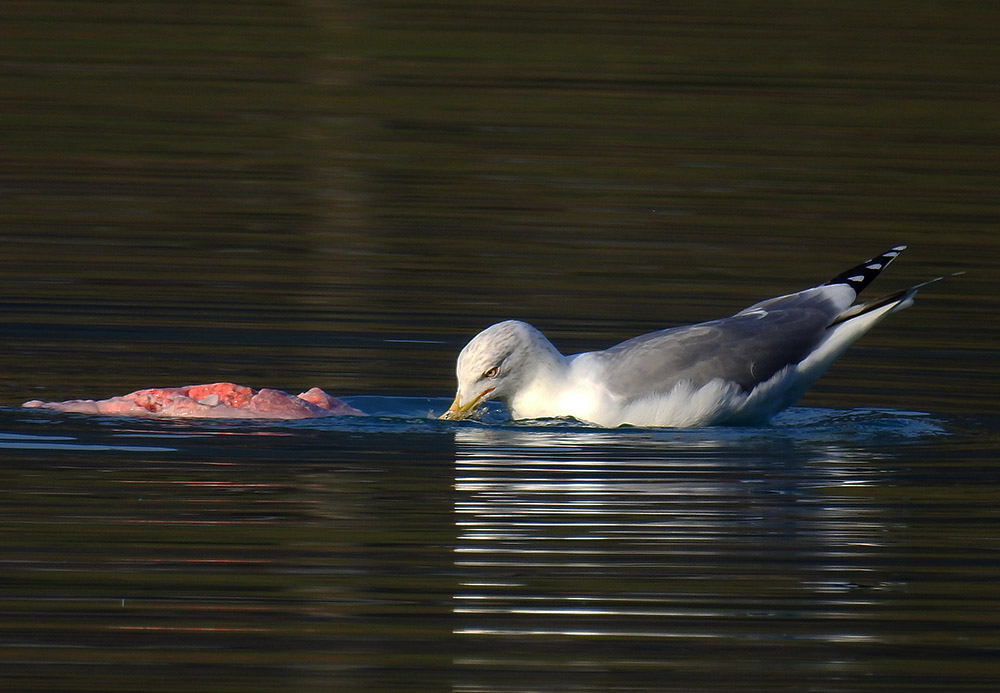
19,441
488,557
738,537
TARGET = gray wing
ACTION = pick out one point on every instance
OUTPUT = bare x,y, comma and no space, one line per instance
747,348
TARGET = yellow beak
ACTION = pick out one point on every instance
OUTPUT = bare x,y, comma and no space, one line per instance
457,411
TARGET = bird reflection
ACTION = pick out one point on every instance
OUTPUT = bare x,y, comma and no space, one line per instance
732,534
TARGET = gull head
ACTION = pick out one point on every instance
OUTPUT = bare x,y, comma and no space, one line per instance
497,363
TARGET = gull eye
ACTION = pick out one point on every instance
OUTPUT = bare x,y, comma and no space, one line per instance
492,372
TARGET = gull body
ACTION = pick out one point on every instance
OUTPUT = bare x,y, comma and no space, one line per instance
742,369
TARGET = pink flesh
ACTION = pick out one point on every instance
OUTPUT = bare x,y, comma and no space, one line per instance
213,401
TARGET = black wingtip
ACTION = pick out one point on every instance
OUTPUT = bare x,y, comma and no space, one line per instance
864,274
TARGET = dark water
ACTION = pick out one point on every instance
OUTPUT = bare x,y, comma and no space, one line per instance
341,194
835,550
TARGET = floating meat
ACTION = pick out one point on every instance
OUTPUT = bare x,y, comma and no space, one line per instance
213,401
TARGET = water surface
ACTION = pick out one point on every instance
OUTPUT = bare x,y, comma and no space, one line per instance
339,195
403,553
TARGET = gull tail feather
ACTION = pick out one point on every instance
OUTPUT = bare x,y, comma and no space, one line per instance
902,299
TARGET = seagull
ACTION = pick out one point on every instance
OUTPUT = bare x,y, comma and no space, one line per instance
739,370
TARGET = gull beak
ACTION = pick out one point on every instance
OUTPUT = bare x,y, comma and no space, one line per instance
457,411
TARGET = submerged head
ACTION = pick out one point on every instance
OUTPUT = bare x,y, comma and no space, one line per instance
495,363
